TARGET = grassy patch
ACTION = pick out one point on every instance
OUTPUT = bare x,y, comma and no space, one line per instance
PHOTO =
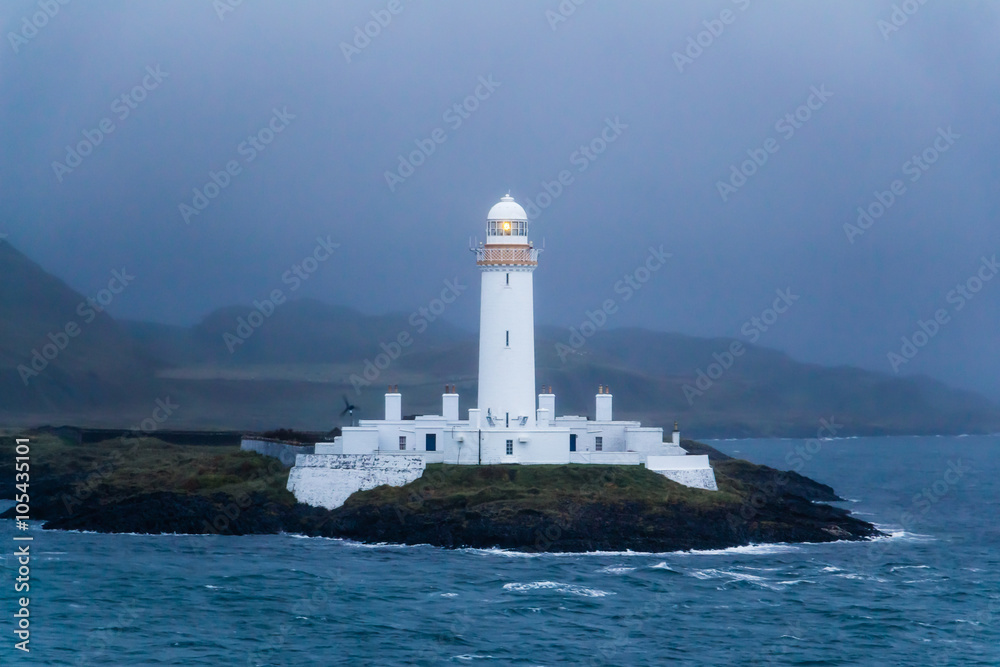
546,486
147,465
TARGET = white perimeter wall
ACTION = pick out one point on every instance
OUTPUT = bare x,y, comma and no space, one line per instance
283,451
691,470
329,480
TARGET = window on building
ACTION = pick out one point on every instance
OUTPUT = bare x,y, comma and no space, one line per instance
508,279
508,339
572,442
510,448
402,442
431,442
599,444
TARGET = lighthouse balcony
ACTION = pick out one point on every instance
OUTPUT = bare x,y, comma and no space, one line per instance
507,255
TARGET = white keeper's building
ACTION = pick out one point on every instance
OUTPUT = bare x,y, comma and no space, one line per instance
511,424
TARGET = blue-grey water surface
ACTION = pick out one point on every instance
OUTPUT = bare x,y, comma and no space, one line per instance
928,595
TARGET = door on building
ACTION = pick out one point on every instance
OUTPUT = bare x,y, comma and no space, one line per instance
431,442
572,442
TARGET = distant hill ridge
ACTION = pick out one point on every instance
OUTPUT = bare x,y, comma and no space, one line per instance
297,362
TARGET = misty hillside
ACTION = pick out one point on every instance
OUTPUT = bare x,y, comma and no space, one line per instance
302,331
293,368
72,356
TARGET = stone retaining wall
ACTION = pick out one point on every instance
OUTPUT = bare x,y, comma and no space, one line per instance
328,480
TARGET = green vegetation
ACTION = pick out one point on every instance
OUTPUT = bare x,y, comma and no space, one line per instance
144,465
542,487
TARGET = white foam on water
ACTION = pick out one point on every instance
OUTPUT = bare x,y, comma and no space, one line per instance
713,573
508,553
896,532
556,587
616,569
449,595
662,566
861,577
909,567
749,549
756,580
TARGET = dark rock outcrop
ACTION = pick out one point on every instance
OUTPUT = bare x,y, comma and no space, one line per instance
163,488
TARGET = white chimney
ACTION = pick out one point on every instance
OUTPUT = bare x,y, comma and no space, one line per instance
542,418
676,436
449,404
603,413
547,403
393,404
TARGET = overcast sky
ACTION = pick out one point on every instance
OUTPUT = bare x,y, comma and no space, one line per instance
681,116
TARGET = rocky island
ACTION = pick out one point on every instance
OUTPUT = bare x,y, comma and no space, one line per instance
146,485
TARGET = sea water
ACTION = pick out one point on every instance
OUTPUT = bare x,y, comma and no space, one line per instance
928,594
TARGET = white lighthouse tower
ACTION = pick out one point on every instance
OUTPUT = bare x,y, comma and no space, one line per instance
507,427
507,261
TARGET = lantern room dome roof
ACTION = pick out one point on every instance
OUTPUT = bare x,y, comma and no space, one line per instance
507,209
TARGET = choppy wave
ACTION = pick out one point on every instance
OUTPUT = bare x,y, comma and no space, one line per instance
738,576
662,566
557,587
